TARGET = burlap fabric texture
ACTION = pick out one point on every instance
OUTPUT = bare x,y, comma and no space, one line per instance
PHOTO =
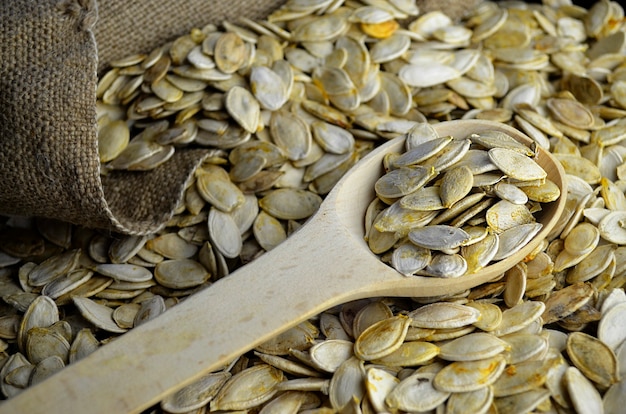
50,54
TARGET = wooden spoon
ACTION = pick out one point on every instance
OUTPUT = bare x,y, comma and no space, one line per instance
325,263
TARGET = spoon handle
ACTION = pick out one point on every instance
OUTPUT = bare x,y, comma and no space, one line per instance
206,331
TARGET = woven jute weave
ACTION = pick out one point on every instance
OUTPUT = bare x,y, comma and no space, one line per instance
50,54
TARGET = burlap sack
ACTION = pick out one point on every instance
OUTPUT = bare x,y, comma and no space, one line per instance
50,55
50,52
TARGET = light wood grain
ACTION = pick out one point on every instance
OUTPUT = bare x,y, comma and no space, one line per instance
325,263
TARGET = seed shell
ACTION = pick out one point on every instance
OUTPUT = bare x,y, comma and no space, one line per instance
584,396
248,388
522,377
409,258
180,273
195,395
99,315
371,344
290,204
443,316
519,317
516,165
465,376
379,383
403,181
593,358
347,383
416,393
472,347
41,313
610,327
331,353
438,237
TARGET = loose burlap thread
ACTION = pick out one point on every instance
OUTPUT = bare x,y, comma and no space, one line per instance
50,54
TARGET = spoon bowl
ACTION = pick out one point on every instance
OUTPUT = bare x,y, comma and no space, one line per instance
325,263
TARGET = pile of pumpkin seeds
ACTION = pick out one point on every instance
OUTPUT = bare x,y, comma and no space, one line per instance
286,106
445,210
